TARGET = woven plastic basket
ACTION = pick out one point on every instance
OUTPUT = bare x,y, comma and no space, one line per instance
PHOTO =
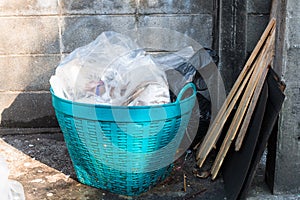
124,150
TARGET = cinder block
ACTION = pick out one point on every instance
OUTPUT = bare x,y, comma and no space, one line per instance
287,176
255,27
293,32
197,27
27,73
259,6
29,35
98,7
293,8
26,110
37,7
291,74
81,30
176,7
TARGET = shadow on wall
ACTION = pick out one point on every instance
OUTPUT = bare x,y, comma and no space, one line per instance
25,101
33,109
27,60
30,109
48,148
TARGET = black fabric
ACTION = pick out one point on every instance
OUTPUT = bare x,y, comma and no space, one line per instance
237,164
275,101
239,167
177,79
271,157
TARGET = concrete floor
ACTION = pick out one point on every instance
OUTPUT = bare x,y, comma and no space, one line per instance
40,162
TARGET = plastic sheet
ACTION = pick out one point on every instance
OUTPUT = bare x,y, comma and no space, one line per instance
111,70
130,76
9,189
186,66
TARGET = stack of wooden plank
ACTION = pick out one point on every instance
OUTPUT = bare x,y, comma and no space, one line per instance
240,103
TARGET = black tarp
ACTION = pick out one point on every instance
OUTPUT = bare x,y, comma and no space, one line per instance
239,167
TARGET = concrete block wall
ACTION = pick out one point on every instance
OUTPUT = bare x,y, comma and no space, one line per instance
287,167
36,34
239,27
29,50
258,15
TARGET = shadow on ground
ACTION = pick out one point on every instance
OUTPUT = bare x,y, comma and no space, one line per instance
51,150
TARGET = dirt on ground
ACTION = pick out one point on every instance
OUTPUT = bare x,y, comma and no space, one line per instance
42,164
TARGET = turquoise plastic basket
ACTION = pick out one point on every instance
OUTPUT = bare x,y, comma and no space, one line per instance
125,150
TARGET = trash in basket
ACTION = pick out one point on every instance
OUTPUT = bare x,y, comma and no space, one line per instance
125,155
111,70
112,101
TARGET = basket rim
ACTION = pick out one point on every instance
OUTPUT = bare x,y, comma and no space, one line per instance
125,107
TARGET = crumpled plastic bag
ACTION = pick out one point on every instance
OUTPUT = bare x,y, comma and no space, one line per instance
185,66
9,189
188,65
111,70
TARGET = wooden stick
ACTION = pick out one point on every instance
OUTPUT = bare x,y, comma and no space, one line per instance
234,127
232,104
184,182
208,136
259,68
217,125
244,127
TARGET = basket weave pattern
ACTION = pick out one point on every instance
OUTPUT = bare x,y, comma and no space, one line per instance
120,156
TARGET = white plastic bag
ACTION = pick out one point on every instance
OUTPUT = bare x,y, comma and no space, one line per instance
87,63
111,70
9,189
3,179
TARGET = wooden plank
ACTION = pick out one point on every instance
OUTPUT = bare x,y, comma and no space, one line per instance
237,163
232,104
244,127
234,126
243,130
274,104
261,65
239,166
216,127
238,117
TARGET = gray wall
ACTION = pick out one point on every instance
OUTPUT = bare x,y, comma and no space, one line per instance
287,167
35,35
240,24
257,19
